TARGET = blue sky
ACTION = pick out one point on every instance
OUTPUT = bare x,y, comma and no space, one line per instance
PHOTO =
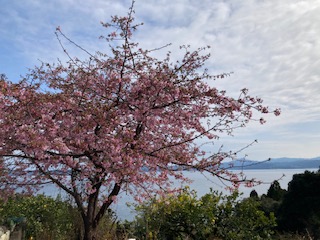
273,48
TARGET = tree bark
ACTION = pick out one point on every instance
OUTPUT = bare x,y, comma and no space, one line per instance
89,233
92,217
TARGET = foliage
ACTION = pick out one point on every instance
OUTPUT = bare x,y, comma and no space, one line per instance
177,216
45,217
254,194
300,210
110,228
244,220
269,205
184,216
270,202
261,225
275,191
292,236
296,210
118,120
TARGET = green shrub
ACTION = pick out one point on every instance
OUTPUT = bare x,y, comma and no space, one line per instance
213,216
46,218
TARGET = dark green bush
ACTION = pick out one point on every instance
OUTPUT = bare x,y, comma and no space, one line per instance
300,209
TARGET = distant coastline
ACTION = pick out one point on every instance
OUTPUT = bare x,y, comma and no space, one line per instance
275,163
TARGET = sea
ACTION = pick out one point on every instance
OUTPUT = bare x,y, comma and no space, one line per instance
202,183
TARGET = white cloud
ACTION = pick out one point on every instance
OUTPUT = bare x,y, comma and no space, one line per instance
273,48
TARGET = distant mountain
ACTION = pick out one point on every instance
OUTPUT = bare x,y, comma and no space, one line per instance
275,163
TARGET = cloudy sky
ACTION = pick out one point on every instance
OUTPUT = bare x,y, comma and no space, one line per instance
273,48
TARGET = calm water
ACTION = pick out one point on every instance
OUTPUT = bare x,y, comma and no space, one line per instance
202,184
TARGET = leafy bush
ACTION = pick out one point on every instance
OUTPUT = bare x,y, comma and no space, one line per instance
244,220
176,217
55,219
184,216
46,218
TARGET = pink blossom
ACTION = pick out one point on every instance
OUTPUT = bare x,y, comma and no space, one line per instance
117,122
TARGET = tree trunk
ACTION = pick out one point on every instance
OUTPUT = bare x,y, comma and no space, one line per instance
88,227
89,232
92,216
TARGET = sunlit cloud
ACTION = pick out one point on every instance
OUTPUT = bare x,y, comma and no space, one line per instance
273,48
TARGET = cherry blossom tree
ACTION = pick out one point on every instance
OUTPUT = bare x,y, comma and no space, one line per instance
122,121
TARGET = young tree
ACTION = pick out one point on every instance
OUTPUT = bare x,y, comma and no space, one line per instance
275,191
123,121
